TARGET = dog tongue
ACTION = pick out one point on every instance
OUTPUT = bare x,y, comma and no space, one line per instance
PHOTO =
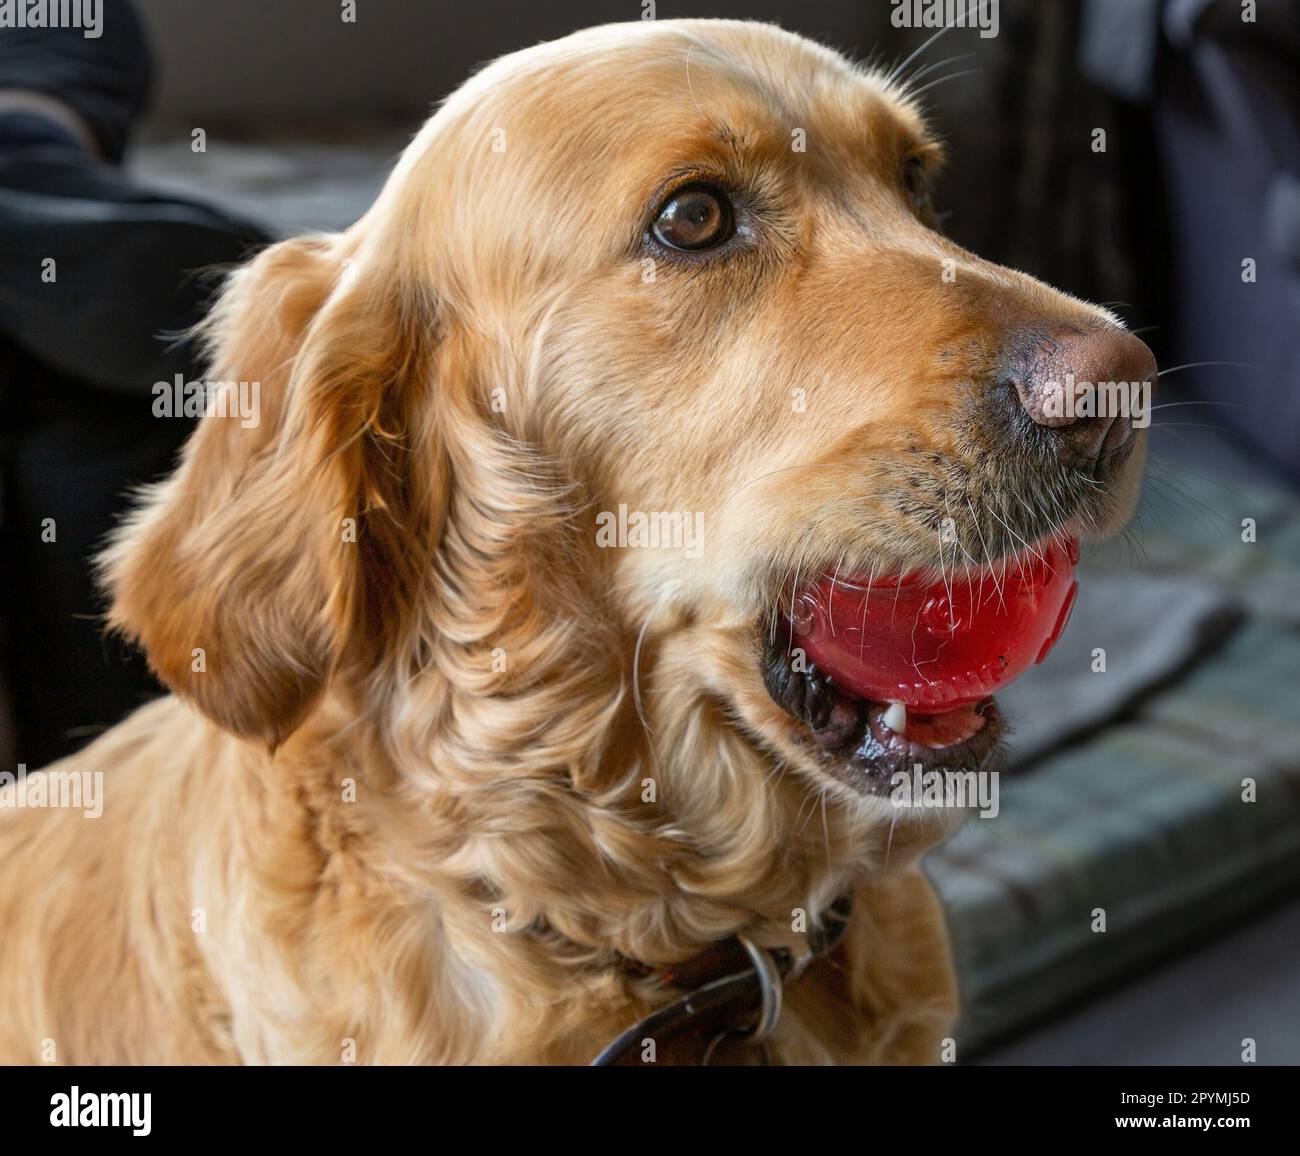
936,646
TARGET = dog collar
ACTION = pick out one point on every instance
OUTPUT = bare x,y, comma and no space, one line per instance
732,988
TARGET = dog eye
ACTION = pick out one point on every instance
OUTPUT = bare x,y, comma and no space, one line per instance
915,183
694,218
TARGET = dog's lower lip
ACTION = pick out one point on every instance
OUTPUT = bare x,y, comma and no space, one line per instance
927,739
849,739
879,754
934,732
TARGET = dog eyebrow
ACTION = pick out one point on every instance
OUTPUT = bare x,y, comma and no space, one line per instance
732,139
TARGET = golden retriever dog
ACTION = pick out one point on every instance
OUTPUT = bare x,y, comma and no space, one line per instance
448,776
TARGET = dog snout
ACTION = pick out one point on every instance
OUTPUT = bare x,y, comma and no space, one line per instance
1089,387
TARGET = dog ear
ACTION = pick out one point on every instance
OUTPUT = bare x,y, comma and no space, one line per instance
285,547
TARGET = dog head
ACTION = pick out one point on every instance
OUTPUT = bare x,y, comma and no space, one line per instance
649,326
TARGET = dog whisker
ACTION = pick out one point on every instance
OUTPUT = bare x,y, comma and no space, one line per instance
899,69
914,93
929,68
1204,364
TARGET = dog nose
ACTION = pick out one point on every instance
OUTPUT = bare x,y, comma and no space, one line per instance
1087,387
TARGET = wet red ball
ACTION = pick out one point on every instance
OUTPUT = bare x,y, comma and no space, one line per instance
938,644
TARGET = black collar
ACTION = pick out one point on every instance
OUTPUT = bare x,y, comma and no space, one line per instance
733,988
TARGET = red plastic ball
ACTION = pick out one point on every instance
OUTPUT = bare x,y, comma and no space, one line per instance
939,645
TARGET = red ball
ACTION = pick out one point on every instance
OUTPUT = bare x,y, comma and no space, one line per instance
939,645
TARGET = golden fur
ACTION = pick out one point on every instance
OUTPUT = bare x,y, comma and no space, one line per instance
351,835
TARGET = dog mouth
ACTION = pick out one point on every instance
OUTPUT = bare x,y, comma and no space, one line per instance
895,673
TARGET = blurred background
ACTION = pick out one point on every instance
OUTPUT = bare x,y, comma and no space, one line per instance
1140,153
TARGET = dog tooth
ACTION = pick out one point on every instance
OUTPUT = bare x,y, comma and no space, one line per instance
895,718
